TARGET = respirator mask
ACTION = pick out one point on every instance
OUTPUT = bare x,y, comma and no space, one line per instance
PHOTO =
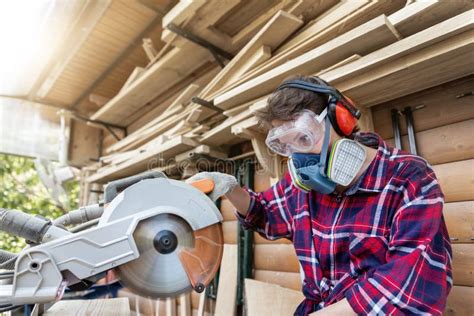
318,172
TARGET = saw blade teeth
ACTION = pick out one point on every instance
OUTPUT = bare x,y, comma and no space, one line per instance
157,273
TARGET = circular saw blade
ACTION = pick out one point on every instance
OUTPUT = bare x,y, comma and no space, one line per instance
158,271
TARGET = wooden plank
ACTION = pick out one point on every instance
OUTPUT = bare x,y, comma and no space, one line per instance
136,73
459,218
443,144
425,14
290,280
169,70
185,304
261,54
440,107
109,307
459,301
415,72
145,160
324,31
229,230
84,144
222,133
279,257
456,180
271,35
364,39
463,264
182,11
269,299
226,292
419,51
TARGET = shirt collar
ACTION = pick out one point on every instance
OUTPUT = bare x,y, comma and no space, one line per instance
375,177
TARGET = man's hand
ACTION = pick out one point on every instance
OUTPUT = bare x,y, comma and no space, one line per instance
223,183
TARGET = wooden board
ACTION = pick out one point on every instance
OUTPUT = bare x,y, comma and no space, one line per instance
144,161
169,70
412,73
456,180
84,144
441,107
229,229
459,217
444,144
261,240
460,301
227,289
290,280
278,257
463,264
326,27
97,307
271,35
361,40
269,299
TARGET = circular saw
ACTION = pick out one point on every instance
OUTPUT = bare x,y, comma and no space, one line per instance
161,236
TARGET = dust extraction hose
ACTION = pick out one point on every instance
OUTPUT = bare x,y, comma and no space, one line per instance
7,260
20,224
80,216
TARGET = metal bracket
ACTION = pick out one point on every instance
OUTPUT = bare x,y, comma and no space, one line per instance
107,126
215,51
396,128
410,129
207,104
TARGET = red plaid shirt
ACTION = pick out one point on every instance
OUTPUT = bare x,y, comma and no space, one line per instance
383,244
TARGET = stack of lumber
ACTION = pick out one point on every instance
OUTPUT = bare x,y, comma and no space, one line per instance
360,46
382,54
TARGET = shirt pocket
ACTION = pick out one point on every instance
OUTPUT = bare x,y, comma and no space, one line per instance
366,252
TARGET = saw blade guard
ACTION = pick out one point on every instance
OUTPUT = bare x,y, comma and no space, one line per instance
202,261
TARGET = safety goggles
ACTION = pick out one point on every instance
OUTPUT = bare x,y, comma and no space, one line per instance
297,136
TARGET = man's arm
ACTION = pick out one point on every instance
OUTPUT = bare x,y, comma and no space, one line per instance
240,199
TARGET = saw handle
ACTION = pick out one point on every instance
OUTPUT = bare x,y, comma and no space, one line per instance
115,187
204,185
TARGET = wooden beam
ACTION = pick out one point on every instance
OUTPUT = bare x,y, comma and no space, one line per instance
434,107
444,144
169,70
459,302
463,264
150,158
276,257
112,306
280,27
227,290
368,37
270,299
456,180
459,217
290,280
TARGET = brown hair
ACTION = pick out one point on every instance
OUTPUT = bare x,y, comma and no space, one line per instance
284,104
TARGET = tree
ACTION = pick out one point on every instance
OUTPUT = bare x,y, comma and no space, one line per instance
21,189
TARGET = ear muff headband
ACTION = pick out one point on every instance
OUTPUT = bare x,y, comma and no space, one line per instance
341,112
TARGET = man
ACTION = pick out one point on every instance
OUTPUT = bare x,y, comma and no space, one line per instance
365,219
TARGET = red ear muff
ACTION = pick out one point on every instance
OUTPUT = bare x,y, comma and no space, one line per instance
345,120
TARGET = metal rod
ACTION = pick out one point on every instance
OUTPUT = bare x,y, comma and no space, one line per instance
396,129
411,129
199,41
207,104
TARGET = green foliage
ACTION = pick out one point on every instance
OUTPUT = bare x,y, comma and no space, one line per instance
21,189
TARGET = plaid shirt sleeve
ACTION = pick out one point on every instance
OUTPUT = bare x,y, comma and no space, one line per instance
416,277
268,213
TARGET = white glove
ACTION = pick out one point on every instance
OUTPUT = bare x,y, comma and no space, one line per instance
223,183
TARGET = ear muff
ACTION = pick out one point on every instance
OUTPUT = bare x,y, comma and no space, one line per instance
342,120
342,112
